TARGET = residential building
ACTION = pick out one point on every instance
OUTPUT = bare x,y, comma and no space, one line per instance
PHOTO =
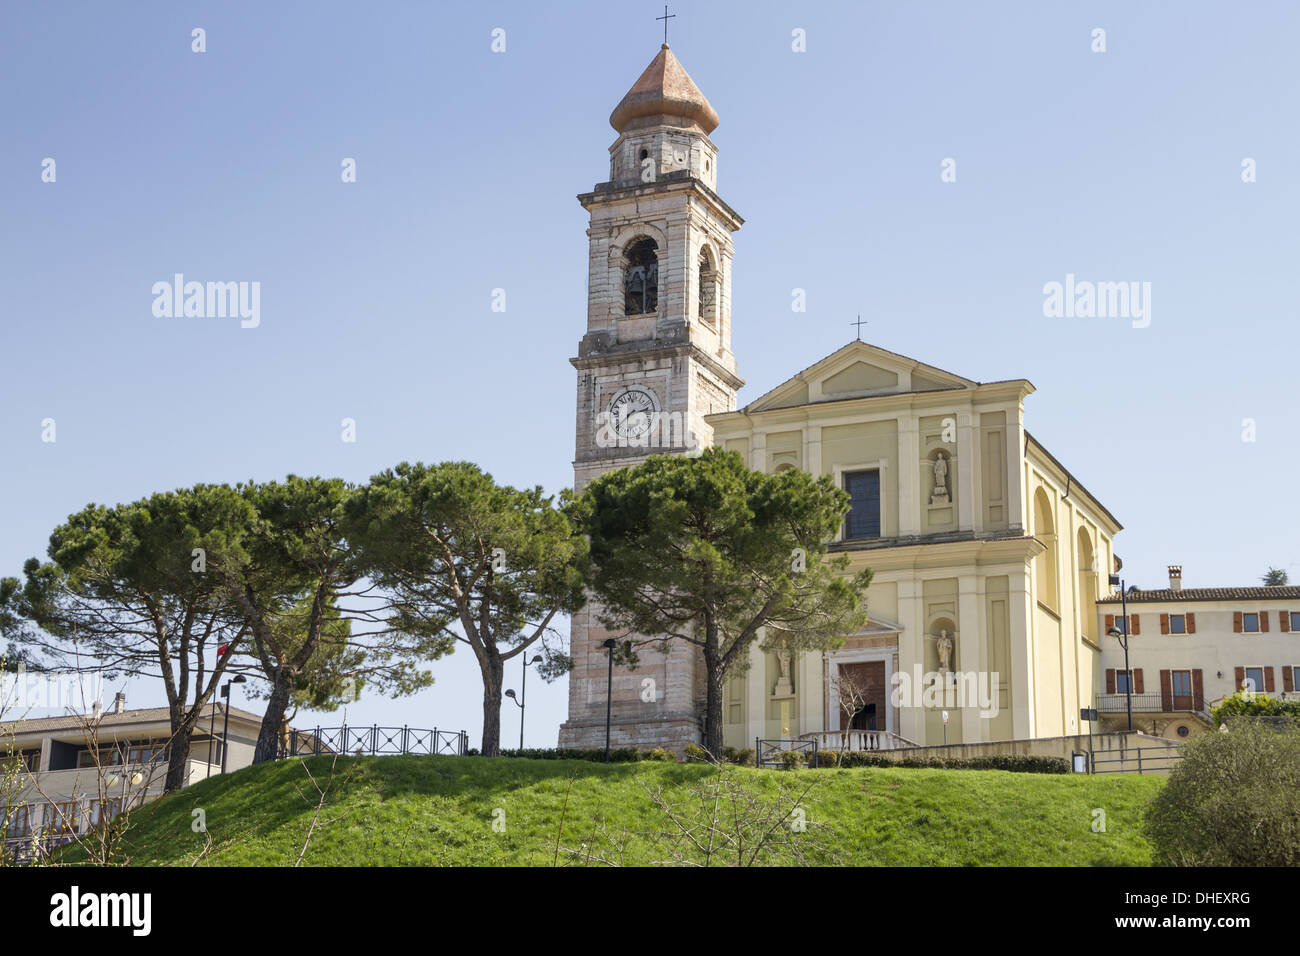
1191,647
80,770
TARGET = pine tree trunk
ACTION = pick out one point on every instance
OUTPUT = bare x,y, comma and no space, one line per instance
268,735
713,719
713,681
493,676
178,755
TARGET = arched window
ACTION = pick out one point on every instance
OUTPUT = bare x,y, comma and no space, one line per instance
1087,588
708,280
641,278
1045,563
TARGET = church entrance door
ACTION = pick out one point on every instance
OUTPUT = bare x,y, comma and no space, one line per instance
868,679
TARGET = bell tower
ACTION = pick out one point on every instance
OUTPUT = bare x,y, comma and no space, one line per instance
656,358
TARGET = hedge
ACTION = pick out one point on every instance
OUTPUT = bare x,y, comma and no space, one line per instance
1016,763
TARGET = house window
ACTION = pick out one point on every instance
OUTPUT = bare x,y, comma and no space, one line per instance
113,757
29,760
101,811
1123,680
63,817
1182,683
1121,623
1295,620
863,519
1250,622
108,757
20,822
641,278
1254,679
1177,624
146,754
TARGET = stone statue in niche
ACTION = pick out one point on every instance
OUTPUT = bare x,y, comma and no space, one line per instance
784,686
944,645
940,496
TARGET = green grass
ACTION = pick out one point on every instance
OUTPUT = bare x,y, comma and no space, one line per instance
438,811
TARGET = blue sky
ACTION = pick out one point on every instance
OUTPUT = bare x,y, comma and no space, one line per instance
376,295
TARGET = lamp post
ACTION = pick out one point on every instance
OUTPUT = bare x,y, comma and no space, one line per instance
511,694
1122,635
609,693
225,725
522,700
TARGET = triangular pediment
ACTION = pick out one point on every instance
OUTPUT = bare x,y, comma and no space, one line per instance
877,625
859,370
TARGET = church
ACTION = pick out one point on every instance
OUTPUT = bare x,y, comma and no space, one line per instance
988,555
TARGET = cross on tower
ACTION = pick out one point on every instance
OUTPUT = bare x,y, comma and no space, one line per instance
665,18
860,323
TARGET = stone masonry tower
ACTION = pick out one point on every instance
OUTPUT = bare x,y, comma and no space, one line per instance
655,360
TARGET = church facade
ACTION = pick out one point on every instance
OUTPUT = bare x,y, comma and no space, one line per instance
988,555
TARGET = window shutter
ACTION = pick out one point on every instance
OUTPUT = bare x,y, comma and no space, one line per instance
1239,676
1288,679
1268,680
1166,692
1110,680
1191,624
1284,621
1133,623
1137,681
1164,623
1110,622
1198,690
1236,622
1263,620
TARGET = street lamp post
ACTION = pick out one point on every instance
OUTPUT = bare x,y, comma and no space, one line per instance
522,699
225,724
523,694
1122,635
609,693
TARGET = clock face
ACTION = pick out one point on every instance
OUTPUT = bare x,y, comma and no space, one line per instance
631,413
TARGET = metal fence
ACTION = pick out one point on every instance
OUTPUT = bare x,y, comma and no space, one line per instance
767,753
374,741
1136,759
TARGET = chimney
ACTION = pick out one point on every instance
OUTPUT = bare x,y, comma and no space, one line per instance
1175,577
119,703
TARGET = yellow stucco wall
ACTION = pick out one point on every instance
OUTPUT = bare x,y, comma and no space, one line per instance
1019,603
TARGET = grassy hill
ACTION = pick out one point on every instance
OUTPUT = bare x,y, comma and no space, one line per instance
439,811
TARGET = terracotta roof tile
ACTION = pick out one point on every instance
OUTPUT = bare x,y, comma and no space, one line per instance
665,89
1166,595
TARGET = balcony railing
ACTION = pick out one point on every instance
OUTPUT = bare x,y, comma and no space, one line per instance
1142,704
857,740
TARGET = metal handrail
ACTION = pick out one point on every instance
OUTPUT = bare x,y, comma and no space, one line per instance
766,752
1157,758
